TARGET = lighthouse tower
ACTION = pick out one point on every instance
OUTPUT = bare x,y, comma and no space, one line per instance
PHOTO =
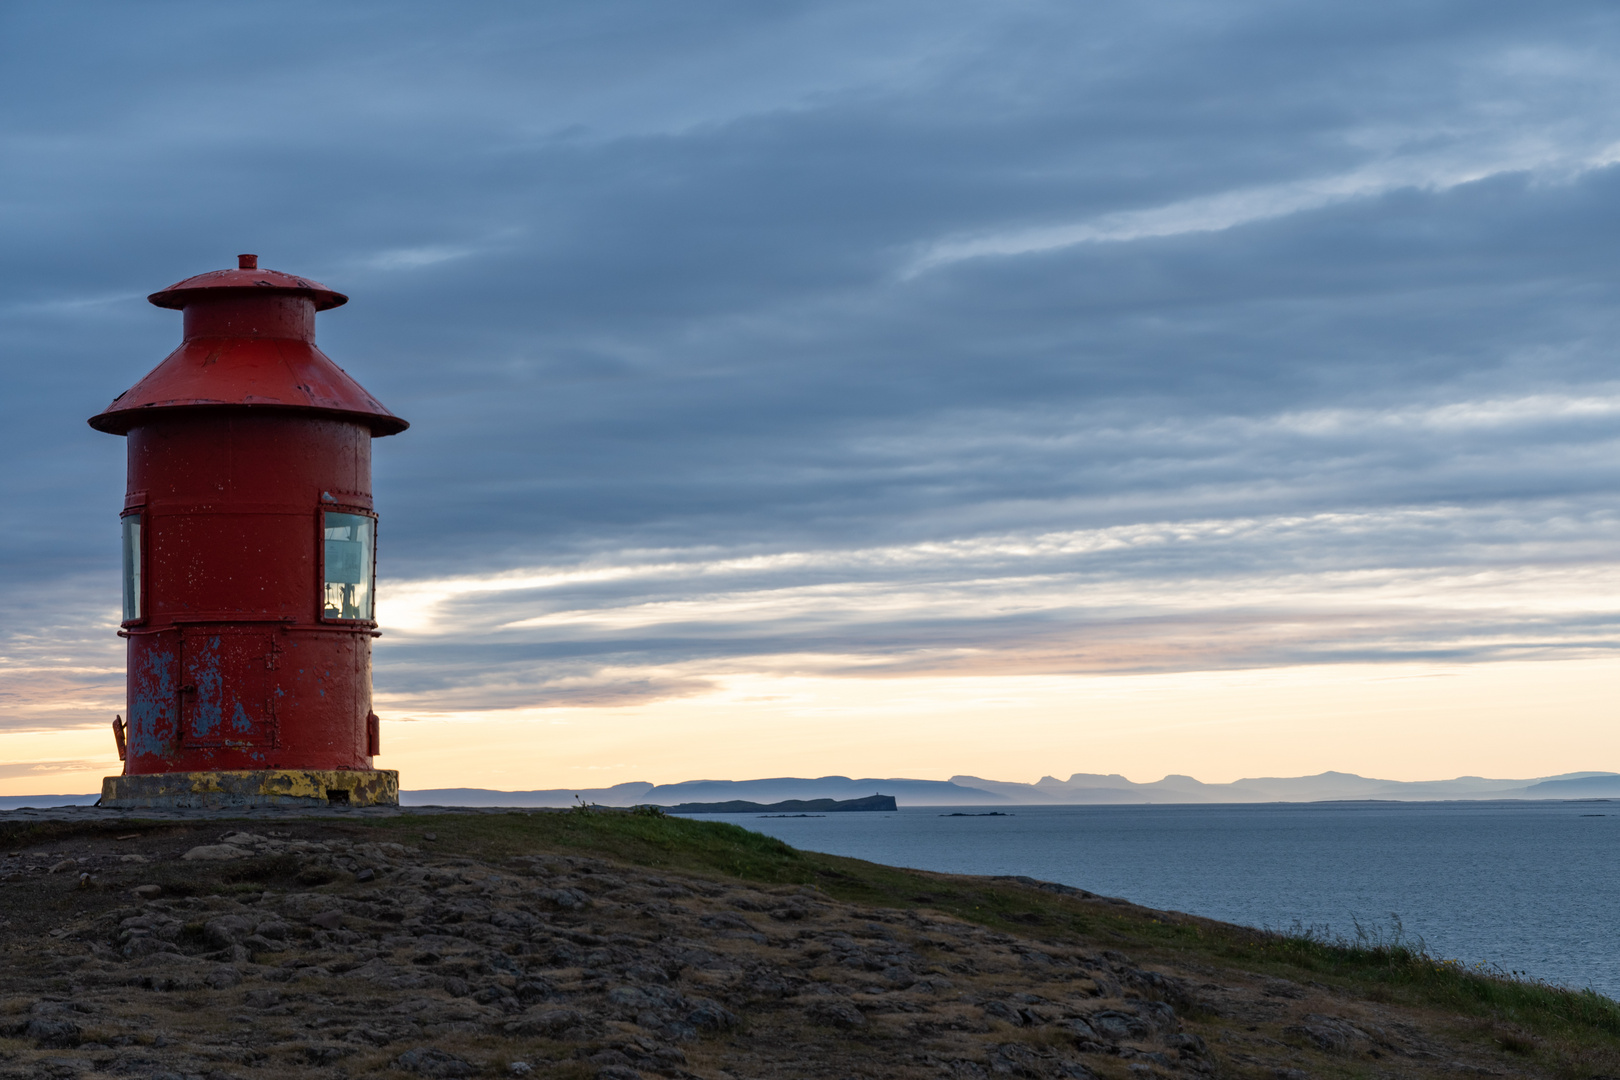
249,552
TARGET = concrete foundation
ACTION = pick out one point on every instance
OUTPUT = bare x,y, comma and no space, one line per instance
245,788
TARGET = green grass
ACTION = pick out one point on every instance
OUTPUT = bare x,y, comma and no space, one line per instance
1399,969
677,844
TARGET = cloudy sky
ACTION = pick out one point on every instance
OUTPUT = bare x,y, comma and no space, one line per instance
883,389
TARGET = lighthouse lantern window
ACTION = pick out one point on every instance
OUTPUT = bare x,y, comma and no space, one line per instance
132,567
350,541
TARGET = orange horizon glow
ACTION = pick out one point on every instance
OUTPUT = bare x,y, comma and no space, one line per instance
1390,721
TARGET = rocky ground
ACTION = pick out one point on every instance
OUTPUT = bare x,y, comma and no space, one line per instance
310,949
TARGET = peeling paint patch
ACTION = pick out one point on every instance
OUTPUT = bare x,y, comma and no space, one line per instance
228,683
202,665
153,695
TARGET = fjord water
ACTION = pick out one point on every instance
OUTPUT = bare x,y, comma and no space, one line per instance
1528,886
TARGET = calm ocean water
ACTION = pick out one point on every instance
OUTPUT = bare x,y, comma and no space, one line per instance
1532,887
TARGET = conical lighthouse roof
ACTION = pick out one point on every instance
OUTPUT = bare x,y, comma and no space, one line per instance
247,279
212,371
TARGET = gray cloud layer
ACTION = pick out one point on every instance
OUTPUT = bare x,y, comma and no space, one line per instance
724,280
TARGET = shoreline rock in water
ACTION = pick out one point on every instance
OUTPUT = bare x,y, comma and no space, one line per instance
310,948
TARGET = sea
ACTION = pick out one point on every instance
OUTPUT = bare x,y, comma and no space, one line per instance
1523,887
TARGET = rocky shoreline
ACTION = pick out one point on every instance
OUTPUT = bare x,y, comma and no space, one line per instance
303,947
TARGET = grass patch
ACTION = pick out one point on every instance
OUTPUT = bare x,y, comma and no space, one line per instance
1405,970
22,834
710,848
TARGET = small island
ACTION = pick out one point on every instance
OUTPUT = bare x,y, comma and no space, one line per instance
790,806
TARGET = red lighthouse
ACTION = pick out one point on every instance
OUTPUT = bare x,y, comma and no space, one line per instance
249,544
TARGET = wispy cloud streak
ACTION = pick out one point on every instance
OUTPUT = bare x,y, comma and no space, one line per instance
1222,210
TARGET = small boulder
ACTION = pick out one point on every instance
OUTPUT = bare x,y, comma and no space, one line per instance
532,990
223,977
724,920
215,853
52,1033
1189,1045
712,1016
1006,1013
546,1022
898,977
226,930
1330,1033
1158,1015
1082,1031
1114,1025
630,998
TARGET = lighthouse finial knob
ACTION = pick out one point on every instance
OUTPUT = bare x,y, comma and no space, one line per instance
247,262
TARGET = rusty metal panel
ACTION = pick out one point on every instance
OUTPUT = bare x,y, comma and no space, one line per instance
230,686
154,699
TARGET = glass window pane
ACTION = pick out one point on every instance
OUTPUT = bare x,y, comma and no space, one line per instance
132,567
349,542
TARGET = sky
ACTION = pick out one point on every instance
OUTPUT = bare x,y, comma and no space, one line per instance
895,389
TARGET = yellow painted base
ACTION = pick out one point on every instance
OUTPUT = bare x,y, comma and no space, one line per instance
258,787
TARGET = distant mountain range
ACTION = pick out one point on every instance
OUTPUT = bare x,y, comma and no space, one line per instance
1080,788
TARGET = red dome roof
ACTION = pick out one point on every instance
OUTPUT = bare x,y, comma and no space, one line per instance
247,278
244,371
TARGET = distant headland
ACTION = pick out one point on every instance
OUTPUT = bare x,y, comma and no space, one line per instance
1078,789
